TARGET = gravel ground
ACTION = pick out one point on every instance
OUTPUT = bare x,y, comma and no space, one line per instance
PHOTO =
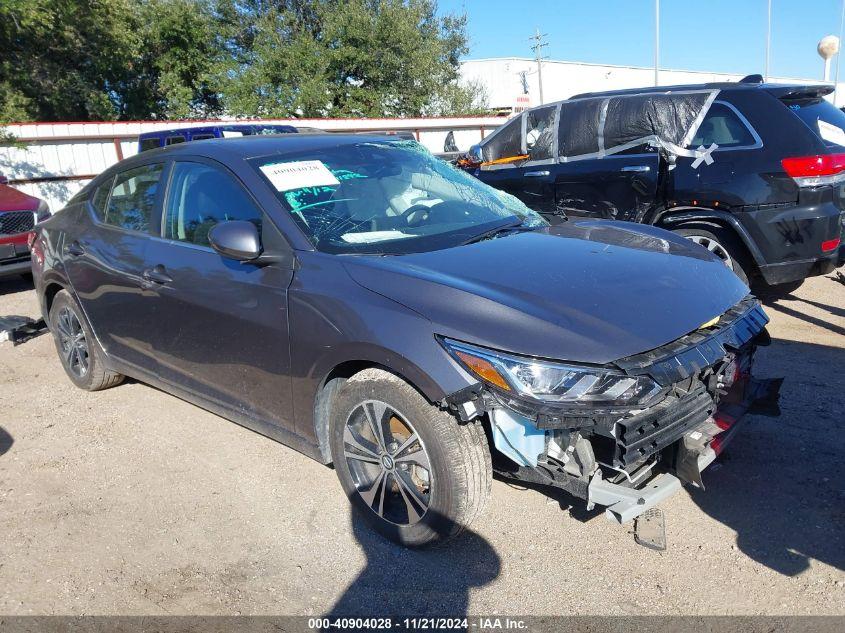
130,501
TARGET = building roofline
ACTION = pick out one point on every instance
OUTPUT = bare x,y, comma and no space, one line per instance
647,68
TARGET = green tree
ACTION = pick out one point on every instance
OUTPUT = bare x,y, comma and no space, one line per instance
141,59
61,58
343,58
107,59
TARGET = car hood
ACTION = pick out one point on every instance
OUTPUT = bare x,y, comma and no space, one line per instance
13,200
585,291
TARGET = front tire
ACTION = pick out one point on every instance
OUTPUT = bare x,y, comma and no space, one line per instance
411,471
79,352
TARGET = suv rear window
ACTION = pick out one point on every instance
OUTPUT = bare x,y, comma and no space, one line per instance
823,118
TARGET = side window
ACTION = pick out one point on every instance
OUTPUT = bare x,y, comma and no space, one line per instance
723,127
133,196
199,197
100,198
173,140
540,132
150,143
505,145
201,137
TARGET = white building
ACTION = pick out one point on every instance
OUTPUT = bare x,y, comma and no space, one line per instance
512,82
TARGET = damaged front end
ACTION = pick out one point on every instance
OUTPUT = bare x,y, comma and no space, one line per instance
628,435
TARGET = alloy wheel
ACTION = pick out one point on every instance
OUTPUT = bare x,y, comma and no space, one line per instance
388,463
73,343
714,247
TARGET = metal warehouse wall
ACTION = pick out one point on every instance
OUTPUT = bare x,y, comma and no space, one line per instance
58,159
502,81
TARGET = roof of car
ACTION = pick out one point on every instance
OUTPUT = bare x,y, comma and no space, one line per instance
776,89
264,145
234,127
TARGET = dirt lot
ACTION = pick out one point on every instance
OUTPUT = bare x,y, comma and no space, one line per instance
130,501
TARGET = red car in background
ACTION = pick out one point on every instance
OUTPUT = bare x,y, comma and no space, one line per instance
19,213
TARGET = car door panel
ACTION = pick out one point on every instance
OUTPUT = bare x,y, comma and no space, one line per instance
221,328
615,187
221,324
104,263
532,184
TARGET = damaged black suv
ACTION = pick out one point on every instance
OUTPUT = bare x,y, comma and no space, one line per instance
751,171
373,307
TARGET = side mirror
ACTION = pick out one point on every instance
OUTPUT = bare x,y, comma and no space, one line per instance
3,180
236,239
475,154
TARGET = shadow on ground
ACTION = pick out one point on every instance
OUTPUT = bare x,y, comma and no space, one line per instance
780,485
6,441
18,283
401,582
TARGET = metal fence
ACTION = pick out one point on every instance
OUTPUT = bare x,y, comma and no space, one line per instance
55,160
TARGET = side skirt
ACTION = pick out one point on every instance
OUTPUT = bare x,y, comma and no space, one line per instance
263,427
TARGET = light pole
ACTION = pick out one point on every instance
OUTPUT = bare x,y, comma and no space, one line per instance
657,42
839,56
769,38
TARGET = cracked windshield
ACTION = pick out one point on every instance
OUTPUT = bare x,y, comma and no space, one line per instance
390,198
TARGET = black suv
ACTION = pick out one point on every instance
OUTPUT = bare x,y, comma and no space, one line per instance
751,171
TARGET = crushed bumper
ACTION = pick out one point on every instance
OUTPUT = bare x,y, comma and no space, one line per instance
630,461
696,450
625,504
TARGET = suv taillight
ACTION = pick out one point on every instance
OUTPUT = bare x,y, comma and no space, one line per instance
813,171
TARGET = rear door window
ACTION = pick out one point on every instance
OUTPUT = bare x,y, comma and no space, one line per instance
133,198
823,118
723,126
101,198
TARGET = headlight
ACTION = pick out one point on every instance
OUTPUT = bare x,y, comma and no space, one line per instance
551,382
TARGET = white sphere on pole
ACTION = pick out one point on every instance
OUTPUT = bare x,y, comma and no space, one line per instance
828,46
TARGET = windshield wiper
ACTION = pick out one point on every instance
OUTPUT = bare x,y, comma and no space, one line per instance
510,227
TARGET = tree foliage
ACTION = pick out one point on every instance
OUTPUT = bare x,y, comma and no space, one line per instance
141,59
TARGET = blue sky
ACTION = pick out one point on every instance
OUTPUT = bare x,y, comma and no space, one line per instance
714,35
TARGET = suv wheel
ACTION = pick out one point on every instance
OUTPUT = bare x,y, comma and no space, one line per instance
411,470
78,350
724,245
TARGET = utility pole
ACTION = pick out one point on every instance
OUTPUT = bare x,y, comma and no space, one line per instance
656,42
768,39
539,45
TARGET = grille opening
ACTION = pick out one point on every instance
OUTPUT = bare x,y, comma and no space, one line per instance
16,222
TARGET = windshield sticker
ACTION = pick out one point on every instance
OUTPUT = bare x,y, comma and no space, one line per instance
831,133
299,175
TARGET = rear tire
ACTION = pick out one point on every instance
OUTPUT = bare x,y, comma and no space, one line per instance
79,352
724,244
417,492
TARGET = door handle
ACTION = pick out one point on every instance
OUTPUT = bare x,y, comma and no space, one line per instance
536,174
74,249
157,275
636,168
